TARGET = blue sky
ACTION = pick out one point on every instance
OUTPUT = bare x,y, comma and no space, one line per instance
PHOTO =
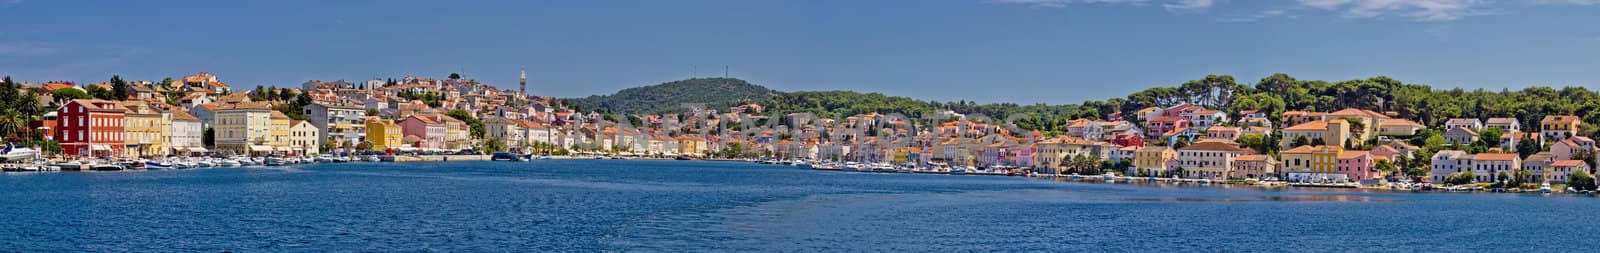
1026,51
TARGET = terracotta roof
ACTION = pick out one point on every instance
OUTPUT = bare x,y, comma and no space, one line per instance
1569,163
1352,155
1559,118
1254,158
1302,149
183,115
1314,125
100,105
1501,121
1358,113
1494,157
1215,146
1400,122
1168,119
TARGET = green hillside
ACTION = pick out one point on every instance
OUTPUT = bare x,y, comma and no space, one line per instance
673,97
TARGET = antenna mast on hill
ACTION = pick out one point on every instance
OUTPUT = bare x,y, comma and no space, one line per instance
724,71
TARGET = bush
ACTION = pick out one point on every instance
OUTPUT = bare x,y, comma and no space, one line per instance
1459,178
1581,181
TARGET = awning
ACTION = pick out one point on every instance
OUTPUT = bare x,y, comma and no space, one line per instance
285,149
100,147
197,150
261,148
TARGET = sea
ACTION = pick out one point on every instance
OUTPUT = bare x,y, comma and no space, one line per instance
709,206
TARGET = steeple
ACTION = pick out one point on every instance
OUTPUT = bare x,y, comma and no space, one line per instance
524,88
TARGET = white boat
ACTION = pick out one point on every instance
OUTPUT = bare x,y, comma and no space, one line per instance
230,163
803,165
69,165
17,153
324,158
1110,178
155,165
1544,188
274,161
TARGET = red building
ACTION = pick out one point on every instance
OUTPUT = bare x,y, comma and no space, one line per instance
90,127
1128,140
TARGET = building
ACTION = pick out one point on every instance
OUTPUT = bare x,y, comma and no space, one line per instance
1222,133
1449,162
1487,167
340,126
1254,166
280,132
1334,132
1358,165
91,128
145,130
1399,127
1209,159
1051,153
1153,160
244,128
383,134
1460,136
431,132
187,134
508,131
1538,165
1560,170
304,139
1509,124
1370,122
1558,127
1470,124
1311,159
1163,124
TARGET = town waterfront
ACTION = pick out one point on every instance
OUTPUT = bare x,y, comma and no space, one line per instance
699,206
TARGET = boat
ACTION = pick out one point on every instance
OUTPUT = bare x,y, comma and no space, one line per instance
958,170
1544,187
682,158
17,153
229,163
1110,177
825,166
803,164
373,158
325,158
69,165
106,166
274,161
154,165
386,158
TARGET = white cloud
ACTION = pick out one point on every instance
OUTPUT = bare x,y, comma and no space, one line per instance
1065,3
1426,10
1185,5
1258,16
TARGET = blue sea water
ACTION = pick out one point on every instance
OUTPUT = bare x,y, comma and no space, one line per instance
681,206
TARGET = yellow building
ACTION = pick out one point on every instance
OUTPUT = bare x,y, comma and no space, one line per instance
244,128
1333,132
1153,160
145,130
280,132
1325,159
1297,159
383,134
1559,127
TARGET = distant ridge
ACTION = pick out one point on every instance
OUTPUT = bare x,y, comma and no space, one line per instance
672,97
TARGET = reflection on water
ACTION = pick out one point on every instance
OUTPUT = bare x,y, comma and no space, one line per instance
1313,198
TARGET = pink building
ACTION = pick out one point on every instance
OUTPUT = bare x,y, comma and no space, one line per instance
429,132
1162,125
1358,165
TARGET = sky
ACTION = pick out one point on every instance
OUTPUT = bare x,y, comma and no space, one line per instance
1021,51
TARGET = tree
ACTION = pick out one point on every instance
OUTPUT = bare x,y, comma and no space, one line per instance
473,123
69,94
1459,178
119,88
372,112
209,138
1301,141
455,76
1580,180
101,93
